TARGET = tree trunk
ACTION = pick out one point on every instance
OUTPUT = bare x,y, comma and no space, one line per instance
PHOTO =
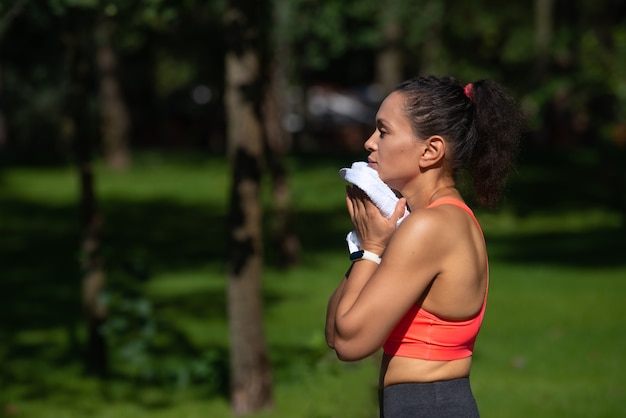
92,269
433,33
390,59
543,37
251,378
278,144
115,120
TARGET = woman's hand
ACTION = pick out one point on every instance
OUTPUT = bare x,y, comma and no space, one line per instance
372,227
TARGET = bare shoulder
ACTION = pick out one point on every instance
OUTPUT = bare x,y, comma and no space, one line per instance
440,222
421,241
430,237
440,247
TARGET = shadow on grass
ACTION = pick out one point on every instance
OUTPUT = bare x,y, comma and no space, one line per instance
561,181
41,290
597,248
558,180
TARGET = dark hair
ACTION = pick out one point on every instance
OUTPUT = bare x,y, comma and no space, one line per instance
482,126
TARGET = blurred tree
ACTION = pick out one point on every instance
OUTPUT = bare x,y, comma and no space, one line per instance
125,27
390,58
543,36
7,14
77,40
33,87
251,377
412,40
278,138
402,38
114,115
324,32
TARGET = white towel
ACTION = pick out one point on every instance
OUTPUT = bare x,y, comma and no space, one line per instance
366,179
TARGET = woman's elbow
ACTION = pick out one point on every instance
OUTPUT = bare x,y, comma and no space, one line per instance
349,351
330,340
347,357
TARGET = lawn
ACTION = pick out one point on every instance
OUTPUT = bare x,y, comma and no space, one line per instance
552,344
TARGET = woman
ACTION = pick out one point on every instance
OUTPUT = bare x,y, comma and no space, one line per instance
419,289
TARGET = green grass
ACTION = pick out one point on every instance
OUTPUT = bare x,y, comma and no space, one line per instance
552,344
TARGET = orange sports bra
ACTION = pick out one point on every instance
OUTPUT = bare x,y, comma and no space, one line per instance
421,334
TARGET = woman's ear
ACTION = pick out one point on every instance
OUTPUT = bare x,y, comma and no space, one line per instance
434,151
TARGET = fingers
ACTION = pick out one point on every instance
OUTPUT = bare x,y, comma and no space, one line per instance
349,202
358,196
399,209
352,194
357,202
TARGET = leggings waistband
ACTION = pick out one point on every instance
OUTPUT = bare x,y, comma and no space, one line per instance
447,398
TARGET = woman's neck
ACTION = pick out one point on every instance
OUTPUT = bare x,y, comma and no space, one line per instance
424,196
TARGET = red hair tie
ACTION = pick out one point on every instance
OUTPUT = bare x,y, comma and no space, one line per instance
468,91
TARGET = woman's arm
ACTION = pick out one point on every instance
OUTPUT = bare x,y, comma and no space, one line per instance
341,302
373,298
374,231
345,294
331,310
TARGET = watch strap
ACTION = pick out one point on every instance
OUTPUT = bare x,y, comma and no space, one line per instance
365,255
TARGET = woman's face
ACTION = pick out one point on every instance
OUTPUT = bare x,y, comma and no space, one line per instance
394,148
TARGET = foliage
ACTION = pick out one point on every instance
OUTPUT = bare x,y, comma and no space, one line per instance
158,43
167,50
151,351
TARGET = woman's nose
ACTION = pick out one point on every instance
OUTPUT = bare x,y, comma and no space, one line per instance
369,143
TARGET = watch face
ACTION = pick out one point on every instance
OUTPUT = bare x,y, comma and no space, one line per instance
356,255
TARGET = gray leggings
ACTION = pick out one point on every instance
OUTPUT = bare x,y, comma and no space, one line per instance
449,398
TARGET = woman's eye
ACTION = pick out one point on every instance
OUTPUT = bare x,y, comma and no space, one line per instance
381,133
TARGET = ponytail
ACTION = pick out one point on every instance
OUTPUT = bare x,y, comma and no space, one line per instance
480,121
498,122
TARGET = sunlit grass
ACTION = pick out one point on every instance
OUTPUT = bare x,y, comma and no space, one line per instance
550,344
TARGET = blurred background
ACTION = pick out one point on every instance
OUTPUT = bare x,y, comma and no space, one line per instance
114,198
